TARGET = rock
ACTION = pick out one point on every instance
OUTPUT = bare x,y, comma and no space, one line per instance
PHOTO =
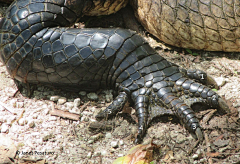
90,141
31,124
96,137
109,97
82,93
77,102
4,128
89,155
22,121
121,142
220,81
69,105
114,144
52,118
47,137
108,135
195,156
75,110
62,100
103,152
221,143
54,98
92,96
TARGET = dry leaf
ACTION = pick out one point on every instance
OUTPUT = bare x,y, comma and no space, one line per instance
140,154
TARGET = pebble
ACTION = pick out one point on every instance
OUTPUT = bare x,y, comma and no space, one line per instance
84,119
108,135
47,137
92,96
96,137
69,105
104,152
4,128
221,143
220,81
89,155
82,93
77,102
90,141
62,100
31,123
195,156
114,144
22,121
54,98
52,118
121,142
75,110
109,98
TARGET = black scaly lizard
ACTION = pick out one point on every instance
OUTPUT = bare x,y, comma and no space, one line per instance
36,50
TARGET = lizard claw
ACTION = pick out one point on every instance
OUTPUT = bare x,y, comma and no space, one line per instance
199,134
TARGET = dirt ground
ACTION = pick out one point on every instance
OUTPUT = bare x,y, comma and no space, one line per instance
31,127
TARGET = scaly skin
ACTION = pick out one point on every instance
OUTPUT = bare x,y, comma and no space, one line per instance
36,51
211,25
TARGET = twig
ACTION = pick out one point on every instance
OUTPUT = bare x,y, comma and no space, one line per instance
60,113
208,147
8,108
84,107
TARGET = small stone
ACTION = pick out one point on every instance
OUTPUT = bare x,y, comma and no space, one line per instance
121,142
96,154
221,143
4,128
220,81
104,152
96,137
109,98
77,102
195,156
46,111
19,104
89,155
75,110
47,137
31,123
52,118
92,96
54,98
90,141
69,105
62,100
82,93
202,160
22,121
108,135
114,144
